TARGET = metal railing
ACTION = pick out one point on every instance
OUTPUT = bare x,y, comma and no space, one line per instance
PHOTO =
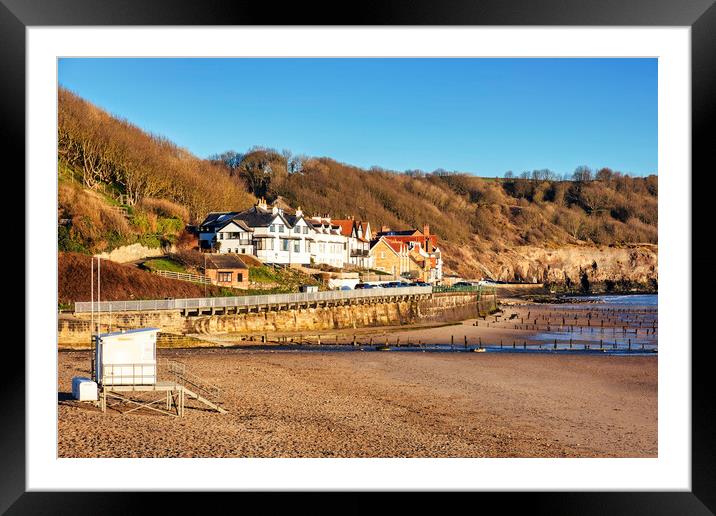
182,375
242,301
461,288
128,374
184,276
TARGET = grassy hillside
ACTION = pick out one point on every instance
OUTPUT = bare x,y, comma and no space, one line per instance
122,282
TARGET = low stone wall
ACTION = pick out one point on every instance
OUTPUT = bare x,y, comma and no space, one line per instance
446,307
130,253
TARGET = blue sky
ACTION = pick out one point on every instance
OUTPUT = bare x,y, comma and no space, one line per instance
483,116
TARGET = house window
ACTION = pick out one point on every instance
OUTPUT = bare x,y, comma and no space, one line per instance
382,254
272,229
221,236
239,277
224,277
280,228
297,246
285,244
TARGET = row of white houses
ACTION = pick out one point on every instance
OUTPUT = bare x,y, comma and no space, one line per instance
277,237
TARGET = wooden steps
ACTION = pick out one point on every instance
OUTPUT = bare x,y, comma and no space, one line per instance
192,394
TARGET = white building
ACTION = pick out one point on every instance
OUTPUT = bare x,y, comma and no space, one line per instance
329,246
221,233
278,238
358,248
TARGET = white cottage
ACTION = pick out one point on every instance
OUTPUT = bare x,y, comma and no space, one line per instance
222,233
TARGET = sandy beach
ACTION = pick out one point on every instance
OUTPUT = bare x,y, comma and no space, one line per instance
383,404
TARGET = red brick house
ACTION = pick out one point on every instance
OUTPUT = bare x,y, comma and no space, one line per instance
227,270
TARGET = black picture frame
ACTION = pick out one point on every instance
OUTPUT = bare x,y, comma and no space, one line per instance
700,15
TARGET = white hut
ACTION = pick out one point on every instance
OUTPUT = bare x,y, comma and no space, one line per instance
126,357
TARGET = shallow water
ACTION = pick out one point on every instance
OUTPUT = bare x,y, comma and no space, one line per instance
614,301
610,340
447,348
593,340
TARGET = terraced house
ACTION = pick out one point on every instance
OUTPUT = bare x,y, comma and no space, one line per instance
329,246
275,237
278,235
358,235
415,254
279,238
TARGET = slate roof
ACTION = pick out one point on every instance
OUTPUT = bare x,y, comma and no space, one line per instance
217,218
293,219
224,261
238,222
407,232
256,217
216,221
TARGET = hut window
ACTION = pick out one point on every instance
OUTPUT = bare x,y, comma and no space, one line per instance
224,277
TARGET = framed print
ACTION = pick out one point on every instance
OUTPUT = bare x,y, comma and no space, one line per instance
420,250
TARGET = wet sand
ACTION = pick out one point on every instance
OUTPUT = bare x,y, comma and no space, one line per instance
383,404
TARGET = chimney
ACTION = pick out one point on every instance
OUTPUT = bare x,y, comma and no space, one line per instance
426,230
274,210
384,228
261,203
299,212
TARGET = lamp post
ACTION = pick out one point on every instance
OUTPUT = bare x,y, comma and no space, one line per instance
211,244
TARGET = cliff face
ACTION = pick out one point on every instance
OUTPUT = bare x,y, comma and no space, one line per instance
602,267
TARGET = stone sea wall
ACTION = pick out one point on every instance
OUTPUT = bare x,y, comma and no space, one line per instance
436,308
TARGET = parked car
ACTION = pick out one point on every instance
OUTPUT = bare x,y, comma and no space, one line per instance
421,284
346,287
364,286
462,284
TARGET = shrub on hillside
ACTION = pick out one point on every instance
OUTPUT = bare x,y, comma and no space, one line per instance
165,208
91,219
